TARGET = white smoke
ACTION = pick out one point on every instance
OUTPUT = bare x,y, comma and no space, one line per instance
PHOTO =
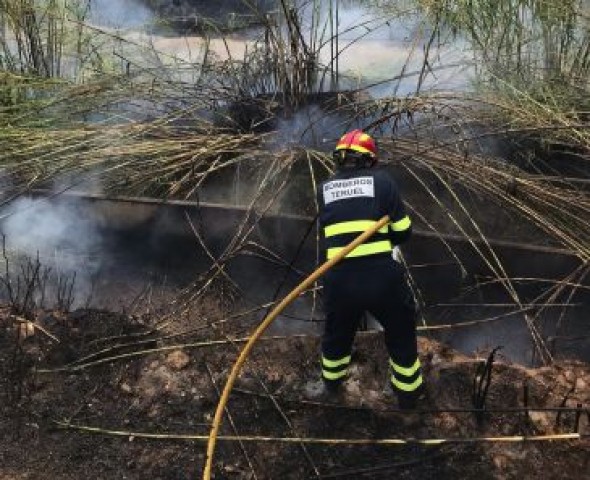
119,13
311,126
60,235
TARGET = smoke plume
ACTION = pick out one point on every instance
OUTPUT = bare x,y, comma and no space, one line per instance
119,13
58,234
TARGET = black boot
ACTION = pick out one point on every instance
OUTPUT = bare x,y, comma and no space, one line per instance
410,400
332,386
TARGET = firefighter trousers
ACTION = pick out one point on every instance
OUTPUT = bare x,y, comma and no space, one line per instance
377,286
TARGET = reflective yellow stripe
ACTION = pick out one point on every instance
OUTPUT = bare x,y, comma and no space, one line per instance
335,363
405,371
333,375
406,387
351,227
401,225
362,250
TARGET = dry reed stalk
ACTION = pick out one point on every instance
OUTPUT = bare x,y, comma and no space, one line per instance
329,441
176,154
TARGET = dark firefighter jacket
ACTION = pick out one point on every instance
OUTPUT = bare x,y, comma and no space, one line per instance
354,199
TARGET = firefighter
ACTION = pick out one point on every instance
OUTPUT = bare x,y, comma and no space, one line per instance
368,279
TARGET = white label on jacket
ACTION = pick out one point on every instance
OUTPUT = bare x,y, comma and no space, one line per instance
349,188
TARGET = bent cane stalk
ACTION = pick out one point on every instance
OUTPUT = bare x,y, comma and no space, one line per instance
321,270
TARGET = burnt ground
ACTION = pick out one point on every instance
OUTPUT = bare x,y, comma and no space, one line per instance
173,392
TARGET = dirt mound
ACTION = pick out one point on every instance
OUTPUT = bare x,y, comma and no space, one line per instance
114,373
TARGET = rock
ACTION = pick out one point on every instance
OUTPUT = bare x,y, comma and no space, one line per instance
154,411
354,371
372,396
369,398
541,420
436,359
125,387
177,360
353,388
446,421
24,329
569,376
500,461
153,365
581,385
245,381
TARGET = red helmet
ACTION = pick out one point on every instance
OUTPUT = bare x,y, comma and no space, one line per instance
358,141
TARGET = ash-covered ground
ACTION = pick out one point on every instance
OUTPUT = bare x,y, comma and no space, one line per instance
129,375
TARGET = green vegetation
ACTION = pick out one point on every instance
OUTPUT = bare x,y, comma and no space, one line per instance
533,59
75,99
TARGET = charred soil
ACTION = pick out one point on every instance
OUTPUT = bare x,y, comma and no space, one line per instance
120,375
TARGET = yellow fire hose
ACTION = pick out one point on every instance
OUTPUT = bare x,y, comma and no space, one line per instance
263,326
